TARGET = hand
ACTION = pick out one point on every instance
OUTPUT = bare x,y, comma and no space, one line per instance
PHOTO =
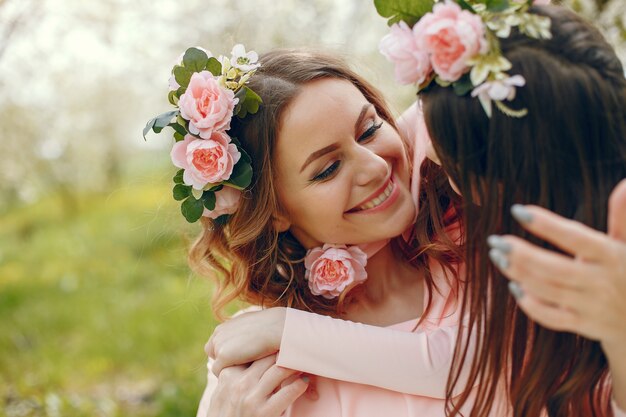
262,389
246,338
585,293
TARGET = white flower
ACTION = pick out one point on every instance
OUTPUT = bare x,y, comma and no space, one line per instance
484,65
497,90
242,60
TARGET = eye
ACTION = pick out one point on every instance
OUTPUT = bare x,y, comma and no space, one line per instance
369,133
327,173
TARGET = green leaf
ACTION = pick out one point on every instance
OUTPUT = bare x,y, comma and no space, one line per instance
148,127
209,199
214,66
465,6
462,86
216,188
182,76
244,155
222,220
178,128
409,11
195,60
496,6
178,178
192,209
172,97
181,192
178,137
241,176
249,102
158,123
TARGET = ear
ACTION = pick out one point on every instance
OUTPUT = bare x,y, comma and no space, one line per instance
281,222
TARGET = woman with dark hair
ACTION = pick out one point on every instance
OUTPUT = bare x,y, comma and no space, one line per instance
559,142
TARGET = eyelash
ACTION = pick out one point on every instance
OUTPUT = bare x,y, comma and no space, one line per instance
363,138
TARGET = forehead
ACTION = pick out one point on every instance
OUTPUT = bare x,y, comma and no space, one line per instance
323,112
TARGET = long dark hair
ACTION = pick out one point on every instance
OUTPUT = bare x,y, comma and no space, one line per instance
567,155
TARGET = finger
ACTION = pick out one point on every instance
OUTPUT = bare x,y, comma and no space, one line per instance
551,295
549,316
571,236
260,367
286,395
617,212
273,378
522,261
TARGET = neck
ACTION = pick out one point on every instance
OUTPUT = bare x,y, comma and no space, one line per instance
392,293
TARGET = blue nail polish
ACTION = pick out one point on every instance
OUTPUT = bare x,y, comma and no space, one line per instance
516,290
498,242
499,258
521,213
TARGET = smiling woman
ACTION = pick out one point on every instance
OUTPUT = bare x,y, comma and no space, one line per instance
329,225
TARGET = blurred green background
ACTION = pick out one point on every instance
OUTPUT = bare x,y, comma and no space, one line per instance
99,313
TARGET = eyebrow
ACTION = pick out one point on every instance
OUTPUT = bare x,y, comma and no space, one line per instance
335,146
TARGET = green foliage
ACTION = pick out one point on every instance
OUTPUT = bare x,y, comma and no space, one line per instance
158,123
192,209
496,6
463,85
214,66
195,59
409,11
181,192
208,199
182,76
100,315
249,102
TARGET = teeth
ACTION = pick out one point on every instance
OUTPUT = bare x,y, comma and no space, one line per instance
381,198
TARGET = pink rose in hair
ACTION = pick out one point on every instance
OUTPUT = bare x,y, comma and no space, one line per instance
205,161
451,36
207,105
412,65
331,269
226,202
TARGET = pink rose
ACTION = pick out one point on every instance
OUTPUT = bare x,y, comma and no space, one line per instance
330,269
205,161
412,65
451,36
208,106
226,202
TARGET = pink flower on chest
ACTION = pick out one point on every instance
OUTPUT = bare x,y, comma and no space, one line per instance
451,36
207,105
205,161
332,268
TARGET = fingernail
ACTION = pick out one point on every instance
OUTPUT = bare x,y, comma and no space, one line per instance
521,213
516,290
306,379
499,258
498,242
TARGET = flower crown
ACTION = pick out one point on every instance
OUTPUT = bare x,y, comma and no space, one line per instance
207,92
456,43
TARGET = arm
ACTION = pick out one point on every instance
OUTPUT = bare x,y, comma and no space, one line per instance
415,363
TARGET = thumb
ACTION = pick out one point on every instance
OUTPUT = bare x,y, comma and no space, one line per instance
617,212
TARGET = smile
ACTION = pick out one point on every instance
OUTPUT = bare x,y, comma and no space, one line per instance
379,198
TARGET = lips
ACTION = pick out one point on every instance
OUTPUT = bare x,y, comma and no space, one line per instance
379,197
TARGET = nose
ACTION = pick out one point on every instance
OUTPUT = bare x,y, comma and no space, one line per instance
370,168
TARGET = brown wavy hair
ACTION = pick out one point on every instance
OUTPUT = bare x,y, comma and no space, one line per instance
567,155
248,258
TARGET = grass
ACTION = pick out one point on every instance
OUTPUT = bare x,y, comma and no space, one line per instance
99,314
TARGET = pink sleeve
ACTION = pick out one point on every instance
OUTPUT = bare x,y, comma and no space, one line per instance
414,363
